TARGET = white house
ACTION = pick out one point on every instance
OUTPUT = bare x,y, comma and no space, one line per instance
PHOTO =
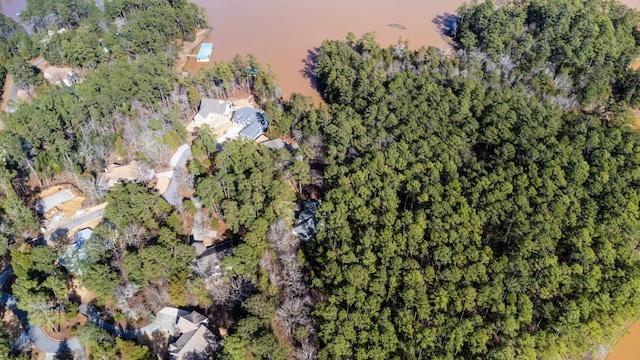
212,112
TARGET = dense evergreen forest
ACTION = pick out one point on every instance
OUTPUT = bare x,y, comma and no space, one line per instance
484,204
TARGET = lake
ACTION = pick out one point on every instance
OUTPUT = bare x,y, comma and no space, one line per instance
281,32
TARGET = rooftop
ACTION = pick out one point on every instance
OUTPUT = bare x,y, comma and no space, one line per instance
205,51
247,115
215,106
252,131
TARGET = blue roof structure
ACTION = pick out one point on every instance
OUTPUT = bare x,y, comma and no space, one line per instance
252,131
253,121
247,115
205,51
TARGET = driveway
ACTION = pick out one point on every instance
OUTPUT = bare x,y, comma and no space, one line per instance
178,160
74,223
166,320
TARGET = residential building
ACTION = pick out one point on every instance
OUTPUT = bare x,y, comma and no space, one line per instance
212,112
253,121
196,341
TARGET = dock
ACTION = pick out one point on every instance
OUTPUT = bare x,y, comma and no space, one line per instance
204,54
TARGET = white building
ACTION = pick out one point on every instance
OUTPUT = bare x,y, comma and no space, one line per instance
212,112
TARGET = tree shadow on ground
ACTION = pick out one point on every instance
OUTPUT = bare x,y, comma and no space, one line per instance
446,23
158,343
64,352
11,322
308,70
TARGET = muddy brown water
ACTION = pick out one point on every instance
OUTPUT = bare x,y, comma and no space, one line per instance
11,8
281,32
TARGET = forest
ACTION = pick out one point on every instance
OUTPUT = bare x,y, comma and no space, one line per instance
479,204
485,204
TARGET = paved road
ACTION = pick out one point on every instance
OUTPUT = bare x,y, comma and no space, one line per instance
13,92
74,224
178,161
48,345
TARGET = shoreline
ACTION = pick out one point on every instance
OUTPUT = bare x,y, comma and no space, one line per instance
187,49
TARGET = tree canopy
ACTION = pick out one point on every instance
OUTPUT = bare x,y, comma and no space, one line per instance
477,205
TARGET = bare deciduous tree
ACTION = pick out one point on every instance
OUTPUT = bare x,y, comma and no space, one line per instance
123,295
144,172
94,187
185,182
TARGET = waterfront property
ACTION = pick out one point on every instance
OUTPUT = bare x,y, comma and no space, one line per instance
204,54
253,121
212,112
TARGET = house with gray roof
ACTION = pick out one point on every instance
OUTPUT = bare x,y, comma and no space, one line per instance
196,341
305,226
247,115
76,252
212,111
252,131
253,120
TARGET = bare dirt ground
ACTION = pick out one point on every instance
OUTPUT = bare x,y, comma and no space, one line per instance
36,354
242,99
53,74
86,296
187,49
68,208
163,184
222,229
118,172
5,92
262,139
